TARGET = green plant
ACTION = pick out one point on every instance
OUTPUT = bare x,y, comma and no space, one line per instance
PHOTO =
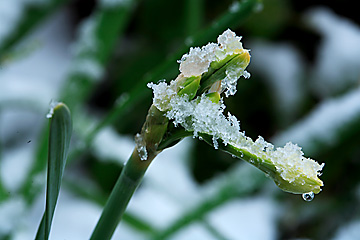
191,105
201,90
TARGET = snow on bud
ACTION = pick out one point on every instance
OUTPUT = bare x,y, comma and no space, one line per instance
193,102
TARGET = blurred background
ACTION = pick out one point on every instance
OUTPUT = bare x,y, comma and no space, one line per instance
97,56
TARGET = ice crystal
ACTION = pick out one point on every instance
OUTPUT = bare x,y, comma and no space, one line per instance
207,117
53,104
198,60
141,148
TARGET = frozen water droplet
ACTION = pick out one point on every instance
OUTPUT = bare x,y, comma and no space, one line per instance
308,196
49,115
141,148
51,110
233,155
241,154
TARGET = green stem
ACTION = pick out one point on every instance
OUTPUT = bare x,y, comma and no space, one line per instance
120,196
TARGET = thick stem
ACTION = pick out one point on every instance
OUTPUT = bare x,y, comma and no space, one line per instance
120,196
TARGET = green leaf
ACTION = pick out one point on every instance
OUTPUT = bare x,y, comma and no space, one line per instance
59,140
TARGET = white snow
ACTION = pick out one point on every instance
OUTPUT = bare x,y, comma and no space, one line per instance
338,57
171,165
74,218
323,124
157,201
15,166
36,78
87,67
10,15
109,145
198,60
203,116
196,230
141,147
282,67
253,218
10,212
28,83
349,231
84,49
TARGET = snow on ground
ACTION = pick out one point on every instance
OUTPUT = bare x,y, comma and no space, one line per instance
325,123
37,77
282,67
338,57
350,231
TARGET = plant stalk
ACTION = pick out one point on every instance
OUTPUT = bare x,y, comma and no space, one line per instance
120,196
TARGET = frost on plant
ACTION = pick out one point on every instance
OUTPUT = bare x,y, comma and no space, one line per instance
141,148
192,101
53,104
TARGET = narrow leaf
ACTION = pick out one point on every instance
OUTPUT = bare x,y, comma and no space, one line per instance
59,139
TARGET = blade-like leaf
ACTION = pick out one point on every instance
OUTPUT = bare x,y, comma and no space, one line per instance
59,140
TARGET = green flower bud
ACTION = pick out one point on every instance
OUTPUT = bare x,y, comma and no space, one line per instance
193,102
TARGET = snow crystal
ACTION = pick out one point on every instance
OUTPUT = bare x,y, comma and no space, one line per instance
203,116
162,94
233,73
198,60
53,104
141,148
230,42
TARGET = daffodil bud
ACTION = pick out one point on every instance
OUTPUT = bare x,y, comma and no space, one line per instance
193,102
